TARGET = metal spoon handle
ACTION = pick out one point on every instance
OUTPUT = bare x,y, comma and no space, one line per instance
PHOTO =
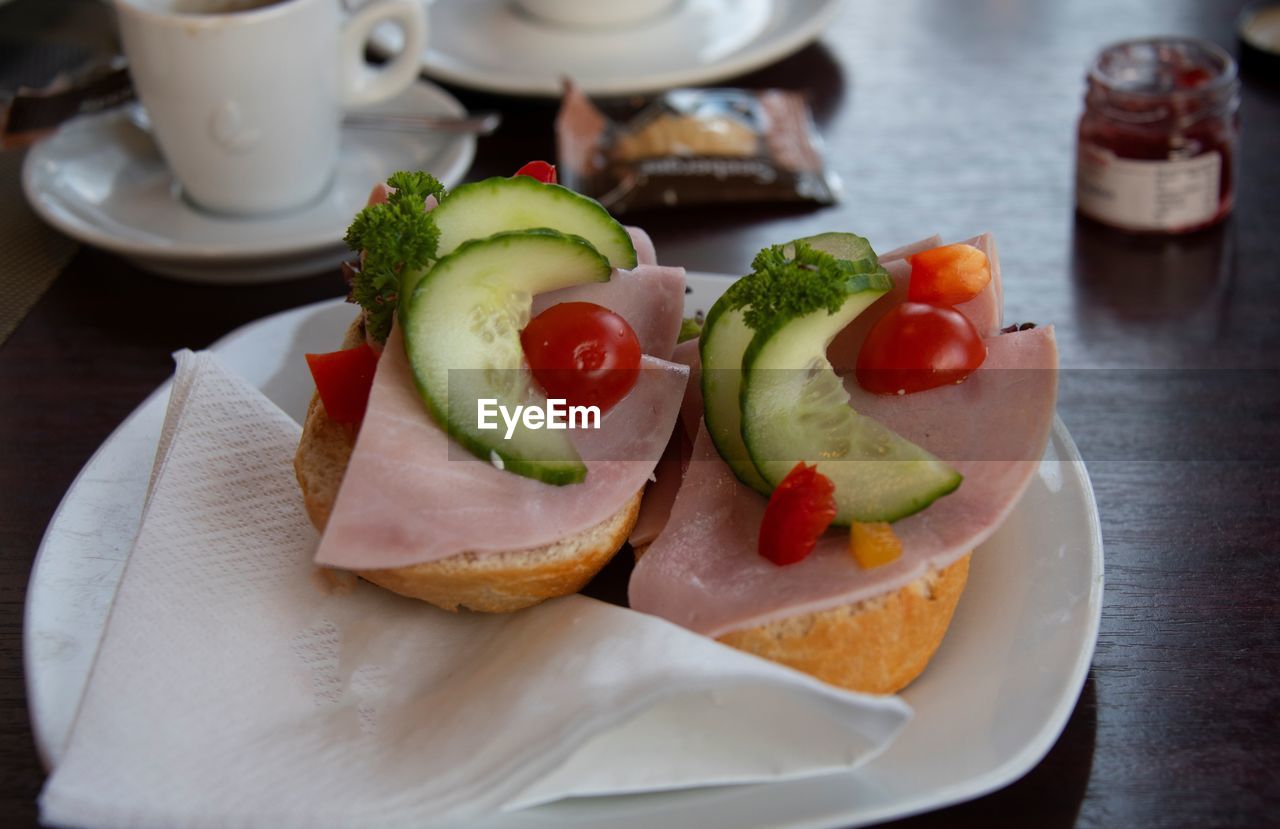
478,123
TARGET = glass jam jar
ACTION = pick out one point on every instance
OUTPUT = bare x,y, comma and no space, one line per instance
1157,140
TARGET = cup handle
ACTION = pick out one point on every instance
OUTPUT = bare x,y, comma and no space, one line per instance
361,84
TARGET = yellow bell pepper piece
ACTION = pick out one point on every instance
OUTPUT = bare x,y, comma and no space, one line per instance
873,545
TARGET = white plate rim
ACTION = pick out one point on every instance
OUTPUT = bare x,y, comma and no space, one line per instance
760,52
1034,751
1014,767
462,152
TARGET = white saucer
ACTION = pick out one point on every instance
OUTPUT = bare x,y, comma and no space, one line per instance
101,179
493,46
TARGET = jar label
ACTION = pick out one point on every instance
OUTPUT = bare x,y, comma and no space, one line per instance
1148,195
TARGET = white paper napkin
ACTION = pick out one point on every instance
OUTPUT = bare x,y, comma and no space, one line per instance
230,689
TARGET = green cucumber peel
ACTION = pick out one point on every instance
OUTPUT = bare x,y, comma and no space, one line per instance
786,281
795,408
481,208
772,399
461,327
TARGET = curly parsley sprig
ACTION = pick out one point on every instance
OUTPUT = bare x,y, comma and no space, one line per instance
394,236
795,279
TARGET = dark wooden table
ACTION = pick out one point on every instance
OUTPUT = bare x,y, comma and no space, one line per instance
941,116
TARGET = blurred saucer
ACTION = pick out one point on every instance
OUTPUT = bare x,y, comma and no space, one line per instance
102,180
493,46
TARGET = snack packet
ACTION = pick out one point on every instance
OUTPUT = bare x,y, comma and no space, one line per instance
693,147
28,114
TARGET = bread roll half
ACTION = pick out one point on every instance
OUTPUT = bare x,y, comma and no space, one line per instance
877,646
492,582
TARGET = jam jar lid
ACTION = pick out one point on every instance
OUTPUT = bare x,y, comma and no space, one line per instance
1175,79
1164,66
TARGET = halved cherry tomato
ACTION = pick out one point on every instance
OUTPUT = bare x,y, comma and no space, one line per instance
948,275
343,379
541,170
800,509
583,353
916,347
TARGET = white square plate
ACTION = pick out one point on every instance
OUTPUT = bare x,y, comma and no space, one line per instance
988,707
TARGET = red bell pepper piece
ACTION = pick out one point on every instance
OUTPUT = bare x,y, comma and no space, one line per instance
540,170
800,509
343,379
948,275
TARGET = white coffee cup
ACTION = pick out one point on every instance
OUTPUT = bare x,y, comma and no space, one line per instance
595,14
246,97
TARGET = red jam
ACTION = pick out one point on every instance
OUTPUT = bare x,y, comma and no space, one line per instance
1157,140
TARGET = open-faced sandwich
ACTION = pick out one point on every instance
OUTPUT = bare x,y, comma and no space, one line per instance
451,452
858,425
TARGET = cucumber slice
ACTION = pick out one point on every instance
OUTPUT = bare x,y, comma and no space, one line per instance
461,329
725,337
795,408
482,208
848,246
724,341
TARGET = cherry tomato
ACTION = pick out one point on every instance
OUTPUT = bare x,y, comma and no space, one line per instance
948,275
918,346
343,379
540,170
800,509
583,353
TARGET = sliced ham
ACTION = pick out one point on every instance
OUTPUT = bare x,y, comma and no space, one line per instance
984,310
686,354
579,127
703,571
661,493
379,193
645,254
650,298
913,248
985,417
410,496
382,191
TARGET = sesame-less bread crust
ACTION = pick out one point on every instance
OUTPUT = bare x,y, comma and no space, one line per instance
492,582
877,646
